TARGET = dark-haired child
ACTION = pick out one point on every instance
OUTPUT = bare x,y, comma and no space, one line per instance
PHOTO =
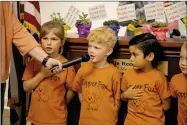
144,87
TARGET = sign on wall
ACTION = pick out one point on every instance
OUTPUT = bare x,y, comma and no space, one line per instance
124,64
126,12
154,11
175,11
97,12
71,16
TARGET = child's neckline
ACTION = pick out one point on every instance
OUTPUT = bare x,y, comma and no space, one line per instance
58,57
184,75
104,67
144,72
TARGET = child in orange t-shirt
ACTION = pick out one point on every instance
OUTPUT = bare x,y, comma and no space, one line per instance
98,81
48,102
178,87
144,87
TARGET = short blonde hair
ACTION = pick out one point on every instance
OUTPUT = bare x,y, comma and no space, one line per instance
103,35
184,46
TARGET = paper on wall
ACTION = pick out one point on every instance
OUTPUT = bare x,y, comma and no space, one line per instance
97,12
126,12
154,11
124,64
181,9
71,16
159,6
175,11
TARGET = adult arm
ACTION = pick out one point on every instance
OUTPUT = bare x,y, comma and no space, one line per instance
25,42
39,54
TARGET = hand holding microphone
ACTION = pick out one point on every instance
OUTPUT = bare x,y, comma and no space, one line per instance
77,60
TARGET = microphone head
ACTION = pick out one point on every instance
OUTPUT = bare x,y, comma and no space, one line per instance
85,58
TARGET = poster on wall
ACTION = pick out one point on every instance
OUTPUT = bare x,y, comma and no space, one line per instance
154,11
126,12
124,64
97,12
159,6
175,11
71,16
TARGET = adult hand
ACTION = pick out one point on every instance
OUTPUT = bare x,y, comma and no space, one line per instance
51,62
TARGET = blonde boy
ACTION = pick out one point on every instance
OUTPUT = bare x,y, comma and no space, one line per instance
178,87
98,81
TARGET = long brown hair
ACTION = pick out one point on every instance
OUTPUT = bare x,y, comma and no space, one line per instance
55,28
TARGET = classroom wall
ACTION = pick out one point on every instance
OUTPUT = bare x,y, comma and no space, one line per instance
47,8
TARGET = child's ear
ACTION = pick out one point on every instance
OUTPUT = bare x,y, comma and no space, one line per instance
62,42
110,50
150,57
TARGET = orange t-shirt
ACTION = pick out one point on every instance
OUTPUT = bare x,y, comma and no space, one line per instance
48,104
100,88
178,88
147,110
12,31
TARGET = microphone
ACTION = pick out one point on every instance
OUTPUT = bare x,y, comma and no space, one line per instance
77,60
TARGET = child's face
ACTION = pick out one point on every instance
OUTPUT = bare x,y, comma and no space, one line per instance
183,61
98,52
137,58
51,44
